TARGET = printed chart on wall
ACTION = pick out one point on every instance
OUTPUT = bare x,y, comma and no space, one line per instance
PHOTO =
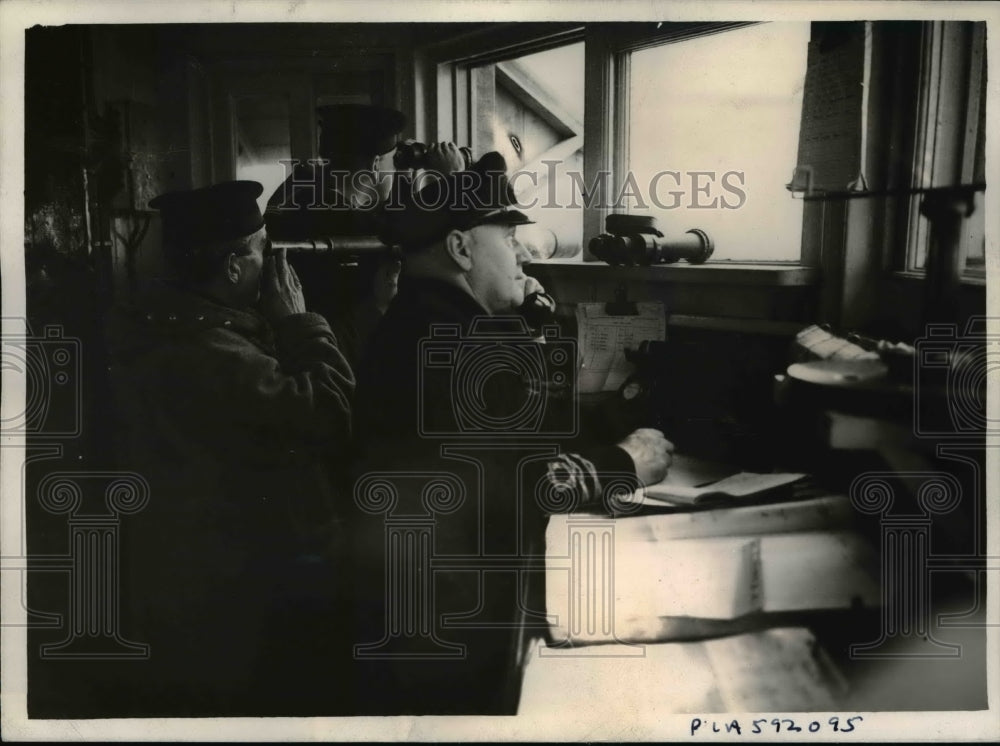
604,337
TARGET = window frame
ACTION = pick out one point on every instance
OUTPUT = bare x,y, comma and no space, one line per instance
943,139
636,39
444,101
615,60
444,87
446,94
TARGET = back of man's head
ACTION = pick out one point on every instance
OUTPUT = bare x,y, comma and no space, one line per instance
352,135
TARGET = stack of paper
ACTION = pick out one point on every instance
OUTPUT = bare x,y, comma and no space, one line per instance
622,590
630,580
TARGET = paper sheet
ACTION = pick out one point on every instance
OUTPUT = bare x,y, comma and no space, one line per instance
691,480
640,583
830,138
744,484
773,670
603,339
831,512
624,580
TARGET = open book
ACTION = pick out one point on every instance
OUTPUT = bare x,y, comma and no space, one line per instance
692,481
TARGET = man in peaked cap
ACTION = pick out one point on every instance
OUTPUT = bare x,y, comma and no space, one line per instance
342,194
235,405
445,385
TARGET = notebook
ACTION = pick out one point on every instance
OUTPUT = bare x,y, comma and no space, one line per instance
692,481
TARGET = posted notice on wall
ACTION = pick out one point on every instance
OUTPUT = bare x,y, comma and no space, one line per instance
603,338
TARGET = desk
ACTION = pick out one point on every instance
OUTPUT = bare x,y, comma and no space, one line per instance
642,579
634,619
820,594
773,670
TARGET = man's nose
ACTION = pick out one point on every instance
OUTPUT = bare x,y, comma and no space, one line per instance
523,255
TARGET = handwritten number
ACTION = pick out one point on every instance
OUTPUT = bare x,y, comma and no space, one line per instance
850,723
815,726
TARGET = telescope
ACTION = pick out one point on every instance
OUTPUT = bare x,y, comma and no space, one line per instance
634,240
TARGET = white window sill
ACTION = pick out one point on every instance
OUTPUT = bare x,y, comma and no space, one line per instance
717,273
918,275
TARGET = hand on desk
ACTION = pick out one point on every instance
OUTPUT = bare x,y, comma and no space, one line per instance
651,452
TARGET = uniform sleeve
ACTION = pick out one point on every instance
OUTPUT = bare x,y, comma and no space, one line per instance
305,392
590,480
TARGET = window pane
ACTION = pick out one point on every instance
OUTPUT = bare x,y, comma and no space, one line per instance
951,131
974,238
530,109
975,252
262,141
713,138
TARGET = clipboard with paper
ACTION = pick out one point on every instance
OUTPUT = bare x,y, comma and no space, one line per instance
603,338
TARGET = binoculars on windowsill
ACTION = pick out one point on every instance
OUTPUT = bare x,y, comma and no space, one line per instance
634,240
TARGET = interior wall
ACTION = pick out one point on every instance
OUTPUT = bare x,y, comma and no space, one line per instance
725,341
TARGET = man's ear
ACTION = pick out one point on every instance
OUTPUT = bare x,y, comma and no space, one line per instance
458,246
233,269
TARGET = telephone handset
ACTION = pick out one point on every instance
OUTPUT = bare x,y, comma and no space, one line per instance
538,310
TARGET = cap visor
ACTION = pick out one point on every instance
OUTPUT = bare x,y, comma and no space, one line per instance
505,217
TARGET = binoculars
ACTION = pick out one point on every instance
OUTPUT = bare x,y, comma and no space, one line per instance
413,155
634,240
